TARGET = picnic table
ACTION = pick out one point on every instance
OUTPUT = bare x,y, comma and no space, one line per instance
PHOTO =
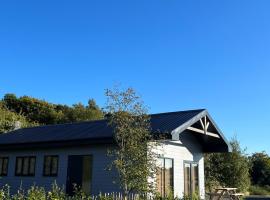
225,192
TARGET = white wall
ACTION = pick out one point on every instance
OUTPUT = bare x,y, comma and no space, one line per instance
102,179
180,153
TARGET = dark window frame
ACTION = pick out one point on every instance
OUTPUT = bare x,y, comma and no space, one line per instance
22,166
50,174
1,172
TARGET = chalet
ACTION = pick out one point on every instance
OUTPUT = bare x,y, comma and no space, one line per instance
77,153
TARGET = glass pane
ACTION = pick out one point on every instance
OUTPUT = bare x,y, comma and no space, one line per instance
5,166
47,165
160,176
87,173
32,166
187,179
168,176
19,166
25,166
54,165
195,178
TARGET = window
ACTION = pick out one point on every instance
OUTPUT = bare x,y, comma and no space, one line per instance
191,178
50,167
25,166
3,166
165,176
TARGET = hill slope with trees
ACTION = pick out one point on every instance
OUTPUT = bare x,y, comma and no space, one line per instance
29,111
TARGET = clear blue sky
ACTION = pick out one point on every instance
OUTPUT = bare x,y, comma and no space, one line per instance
177,54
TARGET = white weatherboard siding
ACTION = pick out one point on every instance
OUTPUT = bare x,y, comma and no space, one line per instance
101,179
180,153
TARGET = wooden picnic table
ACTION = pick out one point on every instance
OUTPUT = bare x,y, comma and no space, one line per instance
228,192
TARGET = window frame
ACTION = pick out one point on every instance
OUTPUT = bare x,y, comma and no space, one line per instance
2,167
51,166
164,161
22,166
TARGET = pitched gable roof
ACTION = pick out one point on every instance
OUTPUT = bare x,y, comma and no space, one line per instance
90,131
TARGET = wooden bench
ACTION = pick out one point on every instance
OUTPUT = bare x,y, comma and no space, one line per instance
237,196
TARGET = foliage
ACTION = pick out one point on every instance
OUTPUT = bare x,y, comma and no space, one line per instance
260,169
9,120
42,112
133,159
56,193
228,169
36,193
259,190
4,193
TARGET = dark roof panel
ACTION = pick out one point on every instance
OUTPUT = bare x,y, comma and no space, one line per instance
91,130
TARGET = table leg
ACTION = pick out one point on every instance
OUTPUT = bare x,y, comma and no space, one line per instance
220,195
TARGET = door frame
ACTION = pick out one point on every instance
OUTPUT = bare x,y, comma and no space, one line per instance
67,176
190,163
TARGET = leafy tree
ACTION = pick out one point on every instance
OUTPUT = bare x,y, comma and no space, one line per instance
228,169
79,112
9,120
34,109
260,169
133,158
40,111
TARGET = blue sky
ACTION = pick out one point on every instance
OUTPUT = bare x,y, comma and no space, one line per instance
177,54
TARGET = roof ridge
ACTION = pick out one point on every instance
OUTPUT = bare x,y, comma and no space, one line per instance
192,110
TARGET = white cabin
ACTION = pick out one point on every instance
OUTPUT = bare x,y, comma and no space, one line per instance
76,153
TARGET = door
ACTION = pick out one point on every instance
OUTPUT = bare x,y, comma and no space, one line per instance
164,177
79,173
191,178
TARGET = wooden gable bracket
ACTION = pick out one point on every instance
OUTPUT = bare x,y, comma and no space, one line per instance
204,128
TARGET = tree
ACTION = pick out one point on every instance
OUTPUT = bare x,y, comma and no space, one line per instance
41,111
228,169
260,169
9,120
79,112
134,158
34,109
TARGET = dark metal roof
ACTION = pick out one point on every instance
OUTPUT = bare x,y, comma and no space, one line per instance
90,131
164,122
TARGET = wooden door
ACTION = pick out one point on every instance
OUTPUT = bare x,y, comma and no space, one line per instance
79,173
191,178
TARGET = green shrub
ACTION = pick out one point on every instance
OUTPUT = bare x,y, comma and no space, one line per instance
259,190
36,193
20,195
4,193
79,194
56,193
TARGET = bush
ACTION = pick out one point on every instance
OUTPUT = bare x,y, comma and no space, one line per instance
36,193
4,193
56,193
259,190
228,169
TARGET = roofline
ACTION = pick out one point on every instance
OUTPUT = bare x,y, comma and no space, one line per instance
92,121
57,144
193,120
191,110
219,131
